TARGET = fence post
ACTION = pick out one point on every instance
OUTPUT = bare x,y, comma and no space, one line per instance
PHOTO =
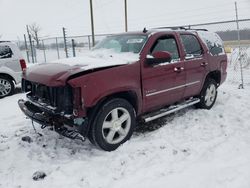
89,42
57,48
26,48
44,53
65,42
241,86
31,49
34,52
73,47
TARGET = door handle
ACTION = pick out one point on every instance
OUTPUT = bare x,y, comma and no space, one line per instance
178,69
203,64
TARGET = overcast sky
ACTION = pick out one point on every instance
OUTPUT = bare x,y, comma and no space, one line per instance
52,15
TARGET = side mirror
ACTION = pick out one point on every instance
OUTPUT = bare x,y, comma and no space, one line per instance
159,57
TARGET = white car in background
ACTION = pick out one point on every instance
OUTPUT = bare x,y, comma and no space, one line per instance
11,66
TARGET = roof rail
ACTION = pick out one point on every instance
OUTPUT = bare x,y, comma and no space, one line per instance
181,28
197,29
1,41
172,28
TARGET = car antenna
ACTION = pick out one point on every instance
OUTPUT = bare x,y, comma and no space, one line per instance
145,30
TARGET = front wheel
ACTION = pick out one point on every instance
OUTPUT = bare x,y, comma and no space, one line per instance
113,125
208,95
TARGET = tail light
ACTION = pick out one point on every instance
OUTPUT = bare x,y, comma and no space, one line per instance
23,64
223,66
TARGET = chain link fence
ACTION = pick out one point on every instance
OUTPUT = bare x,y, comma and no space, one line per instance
56,48
238,50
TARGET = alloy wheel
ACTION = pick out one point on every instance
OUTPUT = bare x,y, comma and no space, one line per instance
116,125
5,87
210,94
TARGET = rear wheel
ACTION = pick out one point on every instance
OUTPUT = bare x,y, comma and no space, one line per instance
6,86
208,94
113,125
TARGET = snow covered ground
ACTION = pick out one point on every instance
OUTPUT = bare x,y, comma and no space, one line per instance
191,149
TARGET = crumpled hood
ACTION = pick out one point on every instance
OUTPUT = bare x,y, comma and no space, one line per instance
57,72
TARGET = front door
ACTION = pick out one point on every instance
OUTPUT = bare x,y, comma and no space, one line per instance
163,84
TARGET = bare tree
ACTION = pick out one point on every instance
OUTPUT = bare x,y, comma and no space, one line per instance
35,29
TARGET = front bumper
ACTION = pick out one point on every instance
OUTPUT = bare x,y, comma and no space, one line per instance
35,113
57,122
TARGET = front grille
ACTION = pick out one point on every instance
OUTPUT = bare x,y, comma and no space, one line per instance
60,98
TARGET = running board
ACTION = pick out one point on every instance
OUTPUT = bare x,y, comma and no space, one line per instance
163,112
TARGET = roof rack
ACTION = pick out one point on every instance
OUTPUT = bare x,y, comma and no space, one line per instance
1,41
198,29
181,28
172,28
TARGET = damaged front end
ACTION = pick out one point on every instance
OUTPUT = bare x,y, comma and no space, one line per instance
58,108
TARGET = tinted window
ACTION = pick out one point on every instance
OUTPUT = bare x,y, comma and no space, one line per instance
191,45
166,44
5,52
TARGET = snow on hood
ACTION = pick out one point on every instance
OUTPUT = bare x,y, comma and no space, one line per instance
99,59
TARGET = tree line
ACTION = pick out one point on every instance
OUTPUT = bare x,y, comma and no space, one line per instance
232,35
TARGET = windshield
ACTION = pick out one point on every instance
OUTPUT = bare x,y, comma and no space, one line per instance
123,43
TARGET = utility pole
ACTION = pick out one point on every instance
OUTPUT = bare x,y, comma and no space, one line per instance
92,22
241,86
26,48
126,16
31,46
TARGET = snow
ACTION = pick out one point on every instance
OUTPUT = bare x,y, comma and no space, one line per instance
9,49
100,58
211,38
192,148
213,42
245,57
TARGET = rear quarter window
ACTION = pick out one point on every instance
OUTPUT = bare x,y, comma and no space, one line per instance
5,52
213,42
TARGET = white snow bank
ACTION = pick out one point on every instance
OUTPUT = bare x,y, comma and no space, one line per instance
100,58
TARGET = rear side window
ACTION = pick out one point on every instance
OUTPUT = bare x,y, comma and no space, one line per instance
167,44
5,52
191,45
213,42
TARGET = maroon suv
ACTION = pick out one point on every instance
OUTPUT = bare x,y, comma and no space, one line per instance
136,75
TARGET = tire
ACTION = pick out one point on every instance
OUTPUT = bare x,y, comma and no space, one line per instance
6,86
208,95
114,124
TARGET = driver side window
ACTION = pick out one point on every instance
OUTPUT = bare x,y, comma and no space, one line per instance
167,44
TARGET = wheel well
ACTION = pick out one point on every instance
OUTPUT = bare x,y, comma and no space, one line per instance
130,96
215,75
7,76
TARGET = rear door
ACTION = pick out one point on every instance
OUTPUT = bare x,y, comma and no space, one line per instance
196,64
163,84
